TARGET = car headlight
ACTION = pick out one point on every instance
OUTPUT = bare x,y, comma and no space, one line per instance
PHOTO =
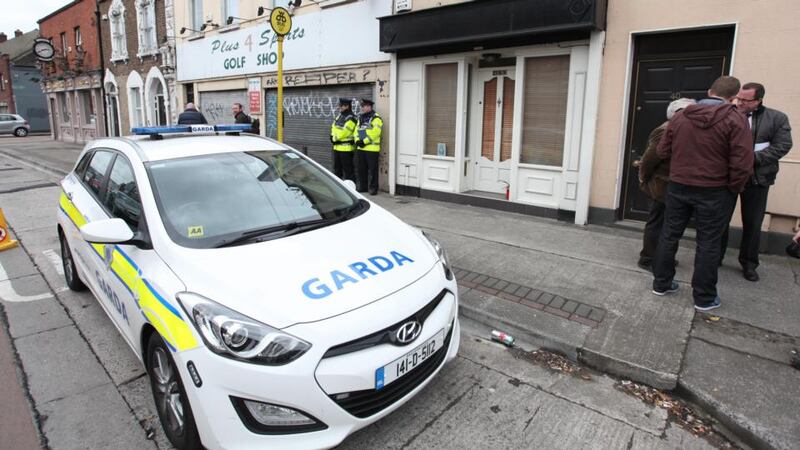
233,335
442,254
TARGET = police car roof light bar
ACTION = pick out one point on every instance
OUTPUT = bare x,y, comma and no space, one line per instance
157,132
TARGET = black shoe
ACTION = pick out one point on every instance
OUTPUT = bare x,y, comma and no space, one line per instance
750,275
373,192
673,288
646,266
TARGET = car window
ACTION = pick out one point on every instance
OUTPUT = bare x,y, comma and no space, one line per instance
207,200
122,194
93,178
6,118
80,169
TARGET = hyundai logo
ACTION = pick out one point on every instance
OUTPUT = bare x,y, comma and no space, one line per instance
408,332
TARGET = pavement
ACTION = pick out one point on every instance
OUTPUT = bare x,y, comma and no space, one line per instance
573,290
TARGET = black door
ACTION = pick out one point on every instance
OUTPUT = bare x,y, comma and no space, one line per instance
667,66
657,84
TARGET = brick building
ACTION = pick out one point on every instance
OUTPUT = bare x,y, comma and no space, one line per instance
72,81
20,88
138,52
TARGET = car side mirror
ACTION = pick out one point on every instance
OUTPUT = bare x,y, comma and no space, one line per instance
108,231
351,186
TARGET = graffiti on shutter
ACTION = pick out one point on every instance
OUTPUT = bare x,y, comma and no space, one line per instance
308,114
216,106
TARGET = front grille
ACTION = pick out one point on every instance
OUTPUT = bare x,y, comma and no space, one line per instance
384,336
363,404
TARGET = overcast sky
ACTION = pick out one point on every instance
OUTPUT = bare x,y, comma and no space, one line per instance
24,14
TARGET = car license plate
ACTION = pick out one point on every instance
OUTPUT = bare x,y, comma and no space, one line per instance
401,366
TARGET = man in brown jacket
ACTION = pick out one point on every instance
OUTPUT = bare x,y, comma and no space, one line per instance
711,151
653,179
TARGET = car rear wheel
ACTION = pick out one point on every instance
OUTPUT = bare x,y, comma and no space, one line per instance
21,132
70,271
170,397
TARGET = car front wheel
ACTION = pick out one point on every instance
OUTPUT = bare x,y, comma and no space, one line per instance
68,262
170,397
21,132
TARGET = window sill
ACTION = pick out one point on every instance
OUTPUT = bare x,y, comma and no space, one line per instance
195,36
153,52
441,158
119,59
540,167
228,28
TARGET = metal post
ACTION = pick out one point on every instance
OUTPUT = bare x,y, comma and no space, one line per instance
280,89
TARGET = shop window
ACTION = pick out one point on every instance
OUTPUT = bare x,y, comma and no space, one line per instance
544,114
119,47
146,21
441,95
87,107
66,117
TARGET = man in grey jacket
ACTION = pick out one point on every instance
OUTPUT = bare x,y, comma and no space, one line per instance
772,136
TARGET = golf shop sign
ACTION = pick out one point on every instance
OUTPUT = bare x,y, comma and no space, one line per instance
315,40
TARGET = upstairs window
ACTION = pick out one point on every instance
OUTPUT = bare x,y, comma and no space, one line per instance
146,18
196,11
230,8
78,38
64,47
119,47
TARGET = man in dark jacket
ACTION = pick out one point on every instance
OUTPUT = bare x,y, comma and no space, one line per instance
711,151
239,115
191,116
772,137
653,179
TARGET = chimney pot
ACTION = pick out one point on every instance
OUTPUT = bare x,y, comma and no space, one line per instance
3,37
17,33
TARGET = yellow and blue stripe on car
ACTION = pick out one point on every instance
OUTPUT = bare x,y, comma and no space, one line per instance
160,313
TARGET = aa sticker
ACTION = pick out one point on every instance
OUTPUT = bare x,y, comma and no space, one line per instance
195,231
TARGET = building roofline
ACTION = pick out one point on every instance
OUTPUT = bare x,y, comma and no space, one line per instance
59,11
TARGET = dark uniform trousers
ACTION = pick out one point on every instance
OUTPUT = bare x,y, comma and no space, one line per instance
368,171
343,165
754,205
711,208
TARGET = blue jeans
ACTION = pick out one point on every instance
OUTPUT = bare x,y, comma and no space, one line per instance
711,208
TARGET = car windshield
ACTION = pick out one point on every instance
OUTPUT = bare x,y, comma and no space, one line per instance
228,199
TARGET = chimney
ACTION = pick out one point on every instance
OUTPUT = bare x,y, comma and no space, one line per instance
17,33
3,37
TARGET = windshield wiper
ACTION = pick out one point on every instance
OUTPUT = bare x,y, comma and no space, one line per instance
290,228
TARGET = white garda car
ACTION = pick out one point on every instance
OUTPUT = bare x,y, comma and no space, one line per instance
271,304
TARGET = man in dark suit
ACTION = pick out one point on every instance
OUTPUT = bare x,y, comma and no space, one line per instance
772,137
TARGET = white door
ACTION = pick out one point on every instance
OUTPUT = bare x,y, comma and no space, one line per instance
495,106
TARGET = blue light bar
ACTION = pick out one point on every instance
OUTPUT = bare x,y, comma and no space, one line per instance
151,131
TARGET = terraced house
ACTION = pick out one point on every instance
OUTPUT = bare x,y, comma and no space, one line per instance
139,54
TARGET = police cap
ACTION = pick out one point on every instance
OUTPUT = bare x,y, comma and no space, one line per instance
345,101
367,101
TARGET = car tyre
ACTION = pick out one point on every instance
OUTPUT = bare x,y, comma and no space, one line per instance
21,132
169,395
70,270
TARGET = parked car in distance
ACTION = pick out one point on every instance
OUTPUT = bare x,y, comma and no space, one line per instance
14,124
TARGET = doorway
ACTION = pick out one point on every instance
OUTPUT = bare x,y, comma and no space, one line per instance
495,103
667,66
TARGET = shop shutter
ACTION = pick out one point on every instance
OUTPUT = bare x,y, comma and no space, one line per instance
216,105
544,110
308,114
441,94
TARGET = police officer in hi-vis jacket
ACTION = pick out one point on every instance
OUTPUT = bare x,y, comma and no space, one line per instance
368,144
343,135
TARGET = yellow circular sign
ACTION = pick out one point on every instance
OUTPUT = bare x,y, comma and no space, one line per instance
281,21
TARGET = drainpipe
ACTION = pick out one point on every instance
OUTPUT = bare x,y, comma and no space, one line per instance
102,66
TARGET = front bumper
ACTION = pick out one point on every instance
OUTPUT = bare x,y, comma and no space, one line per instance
311,383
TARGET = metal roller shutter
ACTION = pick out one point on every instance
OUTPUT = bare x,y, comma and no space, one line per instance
308,114
216,105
